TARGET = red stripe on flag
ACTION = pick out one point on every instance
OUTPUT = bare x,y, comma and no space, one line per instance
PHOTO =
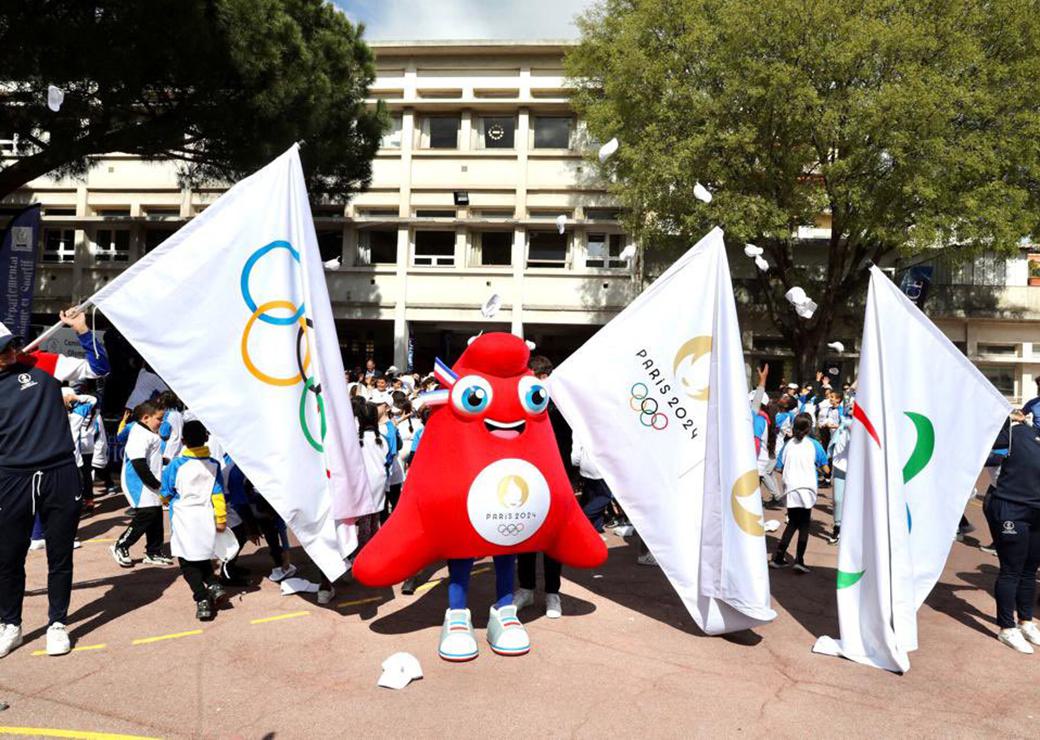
860,415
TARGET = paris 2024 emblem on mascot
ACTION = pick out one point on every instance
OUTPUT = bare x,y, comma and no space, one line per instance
487,480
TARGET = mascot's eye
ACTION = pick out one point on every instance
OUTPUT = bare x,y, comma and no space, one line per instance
471,394
534,396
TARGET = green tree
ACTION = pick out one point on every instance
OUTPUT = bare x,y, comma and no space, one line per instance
223,85
912,125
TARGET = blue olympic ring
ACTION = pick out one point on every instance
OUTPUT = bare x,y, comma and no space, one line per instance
247,296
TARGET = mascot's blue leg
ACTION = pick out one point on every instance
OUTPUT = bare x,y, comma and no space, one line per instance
458,582
505,571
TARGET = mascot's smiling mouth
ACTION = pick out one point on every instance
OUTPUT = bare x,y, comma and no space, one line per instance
504,430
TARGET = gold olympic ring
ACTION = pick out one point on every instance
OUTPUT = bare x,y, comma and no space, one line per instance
256,372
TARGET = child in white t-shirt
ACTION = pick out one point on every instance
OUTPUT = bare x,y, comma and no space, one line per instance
142,470
798,461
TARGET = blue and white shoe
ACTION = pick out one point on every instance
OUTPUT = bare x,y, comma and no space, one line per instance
458,643
506,634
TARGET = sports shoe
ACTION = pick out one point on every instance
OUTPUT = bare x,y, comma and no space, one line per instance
122,556
647,558
553,610
523,598
10,638
58,642
779,562
1030,631
988,549
1014,639
157,560
326,596
458,643
37,544
409,586
76,544
800,567
279,574
217,594
505,633
203,610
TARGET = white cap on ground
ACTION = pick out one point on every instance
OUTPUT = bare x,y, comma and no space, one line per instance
771,525
607,150
702,193
291,586
399,670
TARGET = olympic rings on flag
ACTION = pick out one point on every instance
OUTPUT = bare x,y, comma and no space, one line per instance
303,344
247,296
648,408
510,529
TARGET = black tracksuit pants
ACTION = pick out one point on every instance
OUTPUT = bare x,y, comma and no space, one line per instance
526,565
147,521
1018,549
199,575
798,520
55,495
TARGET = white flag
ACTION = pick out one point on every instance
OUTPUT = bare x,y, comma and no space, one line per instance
659,395
233,312
913,459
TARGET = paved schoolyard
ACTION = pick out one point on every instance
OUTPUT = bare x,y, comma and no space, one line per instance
625,660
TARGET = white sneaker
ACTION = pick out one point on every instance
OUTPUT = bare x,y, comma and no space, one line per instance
58,642
1013,638
1030,631
458,643
324,597
280,574
76,544
553,610
37,544
523,598
506,634
10,638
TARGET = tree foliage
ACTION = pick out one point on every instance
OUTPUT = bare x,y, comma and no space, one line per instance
914,125
223,85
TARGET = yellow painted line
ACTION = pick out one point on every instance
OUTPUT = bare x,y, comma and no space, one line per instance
77,649
160,638
81,735
290,615
427,586
103,539
369,600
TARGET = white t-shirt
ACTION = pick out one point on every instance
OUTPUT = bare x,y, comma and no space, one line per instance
798,460
373,453
142,443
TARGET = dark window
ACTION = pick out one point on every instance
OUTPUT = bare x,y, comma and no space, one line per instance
1002,378
602,214
424,213
552,132
112,245
59,245
382,246
604,250
547,249
496,248
330,244
444,132
499,132
435,248
155,237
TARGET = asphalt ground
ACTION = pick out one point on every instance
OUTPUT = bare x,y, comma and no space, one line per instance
625,660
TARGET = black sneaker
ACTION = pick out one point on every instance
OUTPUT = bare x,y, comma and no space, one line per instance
122,556
217,594
778,562
158,559
203,610
800,567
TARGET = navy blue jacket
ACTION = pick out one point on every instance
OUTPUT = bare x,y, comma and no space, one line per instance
34,426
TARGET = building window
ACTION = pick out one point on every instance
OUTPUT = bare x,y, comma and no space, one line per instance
392,137
59,245
155,237
496,248
497,132
552,132
435,213
604,250
1001,376
434,249
602,214
440,132
1004,350
378,247
112,245
330,244
547,249
984,270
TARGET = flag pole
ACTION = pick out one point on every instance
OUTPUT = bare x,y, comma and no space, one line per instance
81,308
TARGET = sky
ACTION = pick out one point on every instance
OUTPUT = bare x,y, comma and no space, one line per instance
419,20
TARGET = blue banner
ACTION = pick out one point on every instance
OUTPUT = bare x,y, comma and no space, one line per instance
915,283
18,269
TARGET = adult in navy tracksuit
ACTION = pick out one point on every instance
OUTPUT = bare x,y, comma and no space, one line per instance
1014,515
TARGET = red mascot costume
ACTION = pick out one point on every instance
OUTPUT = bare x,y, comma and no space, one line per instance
489,482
